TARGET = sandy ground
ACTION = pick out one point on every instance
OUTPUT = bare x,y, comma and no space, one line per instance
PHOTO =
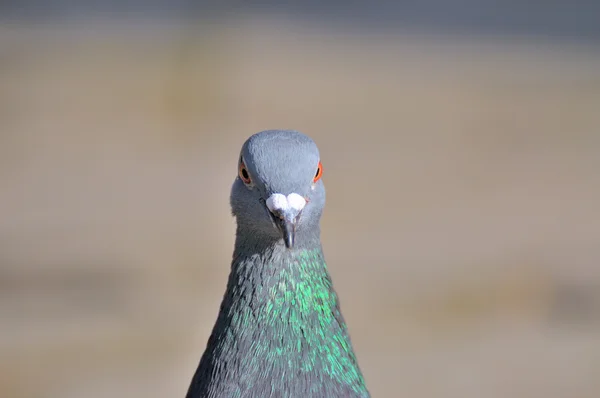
462,226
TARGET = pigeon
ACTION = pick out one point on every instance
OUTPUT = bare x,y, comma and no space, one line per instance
280,331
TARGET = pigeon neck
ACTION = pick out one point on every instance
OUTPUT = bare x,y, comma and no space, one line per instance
280,322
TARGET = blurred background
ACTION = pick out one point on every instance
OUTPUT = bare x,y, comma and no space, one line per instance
461,145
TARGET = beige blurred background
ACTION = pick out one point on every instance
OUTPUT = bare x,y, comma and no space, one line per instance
462,228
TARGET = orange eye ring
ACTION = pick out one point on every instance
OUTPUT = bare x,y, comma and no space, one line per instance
243,173
319,172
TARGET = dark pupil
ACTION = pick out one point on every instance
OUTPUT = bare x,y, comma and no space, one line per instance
245,174
317,173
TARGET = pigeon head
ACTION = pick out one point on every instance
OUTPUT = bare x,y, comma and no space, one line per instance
278,194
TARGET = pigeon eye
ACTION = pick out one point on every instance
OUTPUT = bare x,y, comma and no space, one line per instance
319,172
243,172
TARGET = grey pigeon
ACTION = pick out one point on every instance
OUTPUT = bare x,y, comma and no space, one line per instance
280,331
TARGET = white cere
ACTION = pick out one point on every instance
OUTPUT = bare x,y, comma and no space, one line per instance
279,202
296,201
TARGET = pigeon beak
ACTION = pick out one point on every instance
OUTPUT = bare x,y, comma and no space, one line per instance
287,227
285,212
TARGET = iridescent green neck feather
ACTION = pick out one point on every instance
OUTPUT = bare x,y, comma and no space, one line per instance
280,331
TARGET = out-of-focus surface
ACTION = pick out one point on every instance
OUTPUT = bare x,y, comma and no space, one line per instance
462,226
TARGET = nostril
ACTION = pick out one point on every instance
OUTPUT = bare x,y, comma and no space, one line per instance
272,215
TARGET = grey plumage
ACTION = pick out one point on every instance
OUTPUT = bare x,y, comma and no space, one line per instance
280,331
